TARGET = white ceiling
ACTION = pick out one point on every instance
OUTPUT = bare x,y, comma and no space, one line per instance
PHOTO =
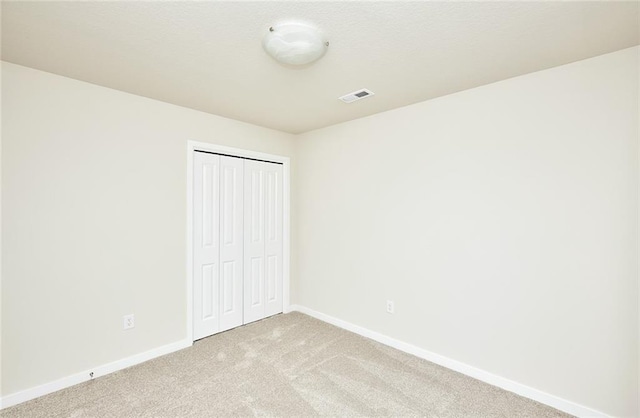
208,55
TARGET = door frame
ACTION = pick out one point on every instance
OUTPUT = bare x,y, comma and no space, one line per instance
286,217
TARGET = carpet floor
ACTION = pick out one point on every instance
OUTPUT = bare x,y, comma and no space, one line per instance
288,365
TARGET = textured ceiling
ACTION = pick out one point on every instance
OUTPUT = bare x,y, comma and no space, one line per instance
208,55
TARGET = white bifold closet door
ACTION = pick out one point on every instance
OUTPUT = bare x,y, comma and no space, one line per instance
262,240
237,233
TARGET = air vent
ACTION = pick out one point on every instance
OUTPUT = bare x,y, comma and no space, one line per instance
356,95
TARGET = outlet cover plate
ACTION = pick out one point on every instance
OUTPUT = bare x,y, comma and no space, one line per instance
128,321
390,307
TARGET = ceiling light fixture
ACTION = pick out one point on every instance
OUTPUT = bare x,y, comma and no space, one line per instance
294,43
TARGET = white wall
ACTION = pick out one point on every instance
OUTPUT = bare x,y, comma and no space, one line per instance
93,194
501,220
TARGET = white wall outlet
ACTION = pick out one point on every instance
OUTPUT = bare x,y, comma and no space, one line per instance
390,307
128,322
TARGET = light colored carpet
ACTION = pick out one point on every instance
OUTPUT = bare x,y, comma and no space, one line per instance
286,365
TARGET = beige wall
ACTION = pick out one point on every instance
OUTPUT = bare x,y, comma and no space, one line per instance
501,220
93,191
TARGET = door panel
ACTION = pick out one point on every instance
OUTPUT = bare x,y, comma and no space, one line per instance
263,240
231,248
254,241
206,226
273,238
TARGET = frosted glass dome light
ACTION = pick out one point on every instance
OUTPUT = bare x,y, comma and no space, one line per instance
294,43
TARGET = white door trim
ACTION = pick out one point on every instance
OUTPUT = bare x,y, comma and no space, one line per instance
286,244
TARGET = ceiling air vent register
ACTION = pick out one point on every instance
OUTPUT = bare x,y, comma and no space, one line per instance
356,95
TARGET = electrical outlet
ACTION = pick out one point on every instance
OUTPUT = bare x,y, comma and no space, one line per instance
128,322
390,307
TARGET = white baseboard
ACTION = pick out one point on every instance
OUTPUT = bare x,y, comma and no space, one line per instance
65,382
501,382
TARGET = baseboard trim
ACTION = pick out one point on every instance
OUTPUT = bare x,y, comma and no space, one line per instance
501,382
74,379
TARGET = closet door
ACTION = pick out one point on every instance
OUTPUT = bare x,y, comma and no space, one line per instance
273,238
206,250
262,240
237,247
253,241
231,242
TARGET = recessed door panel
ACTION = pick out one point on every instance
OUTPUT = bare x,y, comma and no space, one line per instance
257,205
256,279
209,291
228,204
271,203
272,274
209,194
228,295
